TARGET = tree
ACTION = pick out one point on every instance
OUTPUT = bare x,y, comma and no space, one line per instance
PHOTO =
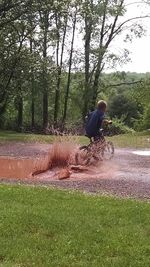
107,18
61,19
45,21
125,108
70,66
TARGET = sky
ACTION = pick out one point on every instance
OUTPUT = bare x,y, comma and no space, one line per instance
140,47
139,55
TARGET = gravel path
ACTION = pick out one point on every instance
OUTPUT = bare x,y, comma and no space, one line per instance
127,175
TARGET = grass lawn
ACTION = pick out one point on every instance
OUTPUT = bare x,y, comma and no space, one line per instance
137,140
22,137
50,228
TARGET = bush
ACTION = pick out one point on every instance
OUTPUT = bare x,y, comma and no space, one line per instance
144,122
118,127
125,109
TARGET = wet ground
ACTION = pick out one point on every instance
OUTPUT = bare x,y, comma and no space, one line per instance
127,175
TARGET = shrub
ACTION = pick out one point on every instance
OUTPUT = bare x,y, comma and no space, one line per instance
118,127
124,108
144,122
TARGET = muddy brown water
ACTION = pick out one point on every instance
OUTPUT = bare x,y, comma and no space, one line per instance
28,161
22,168
17,164
20,160
128,173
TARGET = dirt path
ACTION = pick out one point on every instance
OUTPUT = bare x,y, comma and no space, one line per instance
127,175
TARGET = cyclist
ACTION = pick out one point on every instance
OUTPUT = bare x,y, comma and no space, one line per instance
95,121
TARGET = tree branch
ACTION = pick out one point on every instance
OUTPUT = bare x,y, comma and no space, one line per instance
113,27
126,21
124,83
134,3
5,21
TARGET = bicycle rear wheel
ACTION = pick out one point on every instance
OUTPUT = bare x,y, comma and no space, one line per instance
86,156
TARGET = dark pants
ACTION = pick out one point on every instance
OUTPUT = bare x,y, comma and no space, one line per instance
97,136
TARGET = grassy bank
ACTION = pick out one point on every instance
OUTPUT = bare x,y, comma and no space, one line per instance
45,228
136,140
8,136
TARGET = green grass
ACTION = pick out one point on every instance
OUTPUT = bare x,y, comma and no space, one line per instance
49,228
136,140
22,137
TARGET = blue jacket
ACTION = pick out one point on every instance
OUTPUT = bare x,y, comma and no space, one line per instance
94,123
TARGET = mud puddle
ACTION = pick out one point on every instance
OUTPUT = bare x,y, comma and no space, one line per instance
40,169
49,163
11,167
127,174
32,161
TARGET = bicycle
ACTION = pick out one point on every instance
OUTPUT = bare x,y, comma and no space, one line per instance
96,150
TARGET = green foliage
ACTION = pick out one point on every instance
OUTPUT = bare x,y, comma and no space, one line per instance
146,118
118,127
125,108
144,122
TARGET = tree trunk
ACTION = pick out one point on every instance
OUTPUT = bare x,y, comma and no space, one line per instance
96,83
104,46
33,110
57,95
32,91
69,72
45,109
3,102
45,84
4,96
20,113
99,67
88,32
87,66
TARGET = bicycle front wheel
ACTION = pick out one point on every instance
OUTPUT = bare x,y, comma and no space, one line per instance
82,156
108,151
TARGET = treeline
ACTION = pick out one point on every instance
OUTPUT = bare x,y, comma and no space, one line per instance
46,78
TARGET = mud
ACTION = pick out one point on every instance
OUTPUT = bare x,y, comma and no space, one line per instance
127,175
22,168
23,160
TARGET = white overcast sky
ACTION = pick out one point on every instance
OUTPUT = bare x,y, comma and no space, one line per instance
140,47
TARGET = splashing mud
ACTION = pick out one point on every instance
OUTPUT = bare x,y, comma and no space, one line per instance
62,153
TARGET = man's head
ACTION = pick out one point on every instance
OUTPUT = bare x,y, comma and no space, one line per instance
102,105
